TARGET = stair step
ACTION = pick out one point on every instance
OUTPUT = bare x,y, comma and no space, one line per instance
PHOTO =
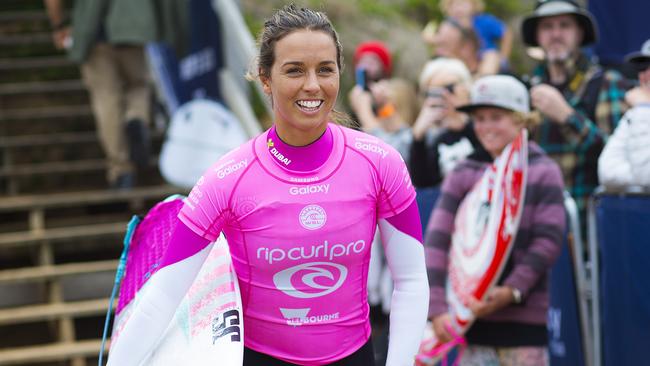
25,238
28,202
62,138
46,112
56,167
51,352
57,86
48,139
49,272
25,39
9,64
23,15
33,313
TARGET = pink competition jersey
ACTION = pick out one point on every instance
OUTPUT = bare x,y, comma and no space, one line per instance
300,240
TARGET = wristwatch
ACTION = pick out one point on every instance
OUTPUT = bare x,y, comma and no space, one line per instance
516,295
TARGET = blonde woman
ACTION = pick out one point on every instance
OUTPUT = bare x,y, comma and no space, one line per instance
442,136
511,322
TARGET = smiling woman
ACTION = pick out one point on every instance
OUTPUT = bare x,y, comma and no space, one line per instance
303,84
297,205
511,318
284,43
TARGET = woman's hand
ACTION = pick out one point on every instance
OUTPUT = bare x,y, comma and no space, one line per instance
454,120
440,325
360,100
361,104
430,116
498,298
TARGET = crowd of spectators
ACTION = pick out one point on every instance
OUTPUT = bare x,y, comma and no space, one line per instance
588,126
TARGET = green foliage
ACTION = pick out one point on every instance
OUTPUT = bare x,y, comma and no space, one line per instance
379,9
422,10
253,23
425,10
504,9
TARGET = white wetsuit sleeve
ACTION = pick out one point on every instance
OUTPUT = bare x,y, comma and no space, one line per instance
410,301
156,307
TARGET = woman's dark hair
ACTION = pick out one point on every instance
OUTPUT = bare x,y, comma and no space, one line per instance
286,20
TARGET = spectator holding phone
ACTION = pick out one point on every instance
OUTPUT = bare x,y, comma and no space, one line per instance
379,102
373,60
442,136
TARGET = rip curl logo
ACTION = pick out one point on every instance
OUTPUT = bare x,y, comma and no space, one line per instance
246,205
371,147
312,217
229,169
319,188
313,279
326,251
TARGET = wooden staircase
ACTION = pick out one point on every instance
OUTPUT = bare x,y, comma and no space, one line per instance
61,227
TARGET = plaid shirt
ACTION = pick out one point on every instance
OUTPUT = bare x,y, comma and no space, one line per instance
597,97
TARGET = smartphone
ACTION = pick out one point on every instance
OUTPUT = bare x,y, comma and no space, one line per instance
437,92
360,77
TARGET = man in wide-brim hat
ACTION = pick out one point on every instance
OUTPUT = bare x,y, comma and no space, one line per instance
554,7
579,102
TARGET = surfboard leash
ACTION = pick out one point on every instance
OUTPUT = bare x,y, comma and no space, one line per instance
119,274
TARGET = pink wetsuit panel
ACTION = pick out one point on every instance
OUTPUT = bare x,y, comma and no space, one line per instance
300,238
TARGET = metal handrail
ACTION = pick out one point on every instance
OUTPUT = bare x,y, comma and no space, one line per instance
583,288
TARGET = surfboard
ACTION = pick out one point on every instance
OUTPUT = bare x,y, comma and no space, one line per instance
485,227
200,132
207,328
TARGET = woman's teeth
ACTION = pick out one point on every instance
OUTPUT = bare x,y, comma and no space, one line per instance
311,104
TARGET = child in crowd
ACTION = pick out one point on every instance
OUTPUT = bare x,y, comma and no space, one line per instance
494,36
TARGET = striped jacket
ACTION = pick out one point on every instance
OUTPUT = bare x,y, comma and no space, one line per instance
537,244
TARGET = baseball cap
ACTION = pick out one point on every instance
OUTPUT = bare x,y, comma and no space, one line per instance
549,8
501,91
641,58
